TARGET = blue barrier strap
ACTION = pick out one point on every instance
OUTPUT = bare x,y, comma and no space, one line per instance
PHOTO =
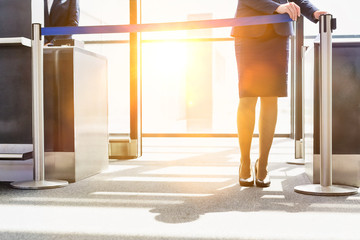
173,26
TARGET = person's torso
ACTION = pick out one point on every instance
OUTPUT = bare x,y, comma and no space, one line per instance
254,31
59,13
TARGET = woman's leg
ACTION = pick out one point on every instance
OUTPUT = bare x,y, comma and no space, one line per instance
267,124
245,124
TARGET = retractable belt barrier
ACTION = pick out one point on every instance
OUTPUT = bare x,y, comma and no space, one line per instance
173,26
326,188
39,181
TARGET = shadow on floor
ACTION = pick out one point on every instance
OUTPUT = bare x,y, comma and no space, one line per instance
172,207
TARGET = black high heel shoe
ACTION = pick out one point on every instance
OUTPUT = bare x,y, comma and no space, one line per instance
247,182
261,183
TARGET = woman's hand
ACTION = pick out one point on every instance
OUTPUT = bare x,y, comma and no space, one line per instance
317,14
290,8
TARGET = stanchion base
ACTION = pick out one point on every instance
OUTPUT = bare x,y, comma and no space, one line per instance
295,161
38,185
318,190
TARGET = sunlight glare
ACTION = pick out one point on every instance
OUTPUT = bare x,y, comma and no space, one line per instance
169,57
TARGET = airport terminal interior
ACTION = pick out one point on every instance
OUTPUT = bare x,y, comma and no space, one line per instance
133,135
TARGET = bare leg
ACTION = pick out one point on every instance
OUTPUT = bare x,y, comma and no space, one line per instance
267,124
246,123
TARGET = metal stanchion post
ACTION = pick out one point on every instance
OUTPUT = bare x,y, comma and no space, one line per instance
297,43
325,188
39,181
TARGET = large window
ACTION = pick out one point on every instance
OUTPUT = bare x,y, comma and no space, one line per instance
189,82
346,13
111,12
191,87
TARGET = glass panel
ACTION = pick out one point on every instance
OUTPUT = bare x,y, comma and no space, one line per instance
188,87
346,14
111,12
118,84
177,11
105,12
191,87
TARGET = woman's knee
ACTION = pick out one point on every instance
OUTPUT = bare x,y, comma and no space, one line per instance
269,101
248,103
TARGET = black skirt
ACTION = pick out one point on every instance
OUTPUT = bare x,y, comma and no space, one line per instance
263,65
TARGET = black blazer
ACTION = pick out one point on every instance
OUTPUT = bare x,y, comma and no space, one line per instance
249,8
63,13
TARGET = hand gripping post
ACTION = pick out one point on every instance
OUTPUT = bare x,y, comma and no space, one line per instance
325,188
39,181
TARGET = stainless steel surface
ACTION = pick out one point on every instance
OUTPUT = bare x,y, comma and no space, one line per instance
15,41
299,151
39,181
309,113
325,188
69,42
91,113
88,53
76,130
11,156
346,169
318,190
296,161
297,92
326,100
302,57
292,95
15,151
16,170
346,157
38,185
299,145
123,149
38,104
61,165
